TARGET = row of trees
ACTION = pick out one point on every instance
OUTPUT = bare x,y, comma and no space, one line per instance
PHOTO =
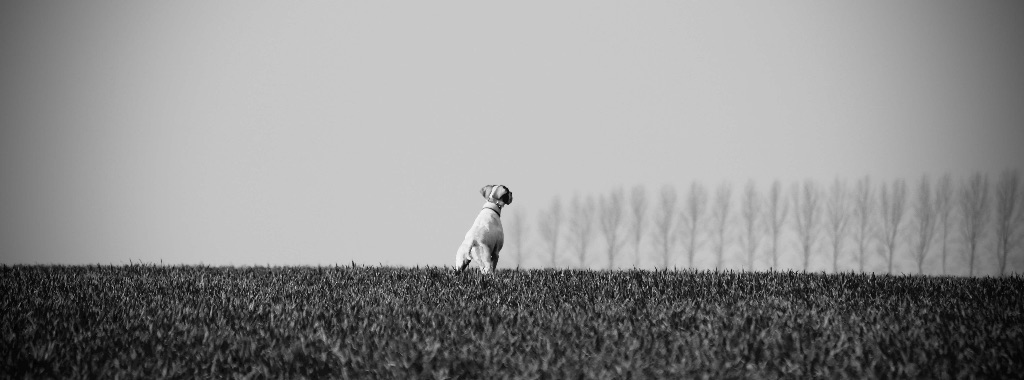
844,222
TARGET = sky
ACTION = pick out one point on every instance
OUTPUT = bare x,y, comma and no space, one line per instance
323,132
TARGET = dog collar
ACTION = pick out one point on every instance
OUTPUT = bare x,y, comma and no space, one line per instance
496,210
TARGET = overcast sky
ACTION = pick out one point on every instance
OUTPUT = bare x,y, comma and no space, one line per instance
323,132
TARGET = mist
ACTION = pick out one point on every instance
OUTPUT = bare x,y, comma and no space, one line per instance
233,133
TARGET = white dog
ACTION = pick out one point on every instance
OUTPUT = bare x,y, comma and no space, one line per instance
485,237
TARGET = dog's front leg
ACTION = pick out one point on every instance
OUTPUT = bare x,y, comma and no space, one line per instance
482,253
494,263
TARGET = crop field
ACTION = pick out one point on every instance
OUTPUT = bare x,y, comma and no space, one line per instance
381,322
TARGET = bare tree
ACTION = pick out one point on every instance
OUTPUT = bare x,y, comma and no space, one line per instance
863,211
610,210
943,208
581,225
1009,216
806,201
638,210
517,234
837,213
664,224
751,213
720,221
974,209
696,203
777,210
550,226
925,219
892,205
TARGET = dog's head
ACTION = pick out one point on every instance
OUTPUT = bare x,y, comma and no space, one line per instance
497,194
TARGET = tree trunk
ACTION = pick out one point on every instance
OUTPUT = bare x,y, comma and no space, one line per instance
692,252
891,254
775,251
943,251
636,253
970,263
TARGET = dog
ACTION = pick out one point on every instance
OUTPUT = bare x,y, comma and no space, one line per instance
484,240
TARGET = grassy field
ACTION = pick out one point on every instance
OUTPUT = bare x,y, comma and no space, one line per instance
156,321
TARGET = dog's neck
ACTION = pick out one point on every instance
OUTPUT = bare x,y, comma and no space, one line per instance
493,207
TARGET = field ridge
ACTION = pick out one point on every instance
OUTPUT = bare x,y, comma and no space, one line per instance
355,321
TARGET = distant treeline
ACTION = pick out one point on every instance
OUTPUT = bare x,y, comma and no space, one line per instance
925,226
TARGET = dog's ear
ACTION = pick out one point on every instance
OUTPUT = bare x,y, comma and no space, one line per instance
485,191
507,197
